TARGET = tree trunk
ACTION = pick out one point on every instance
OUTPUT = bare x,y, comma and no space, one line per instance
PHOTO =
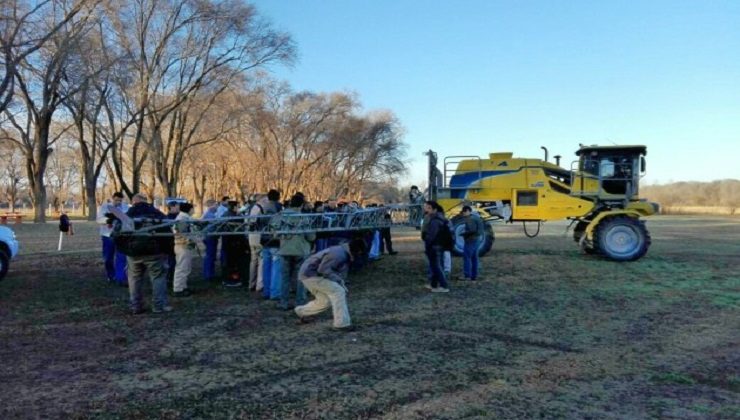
91,192
199,191
84,196
13,193
38,192
38,165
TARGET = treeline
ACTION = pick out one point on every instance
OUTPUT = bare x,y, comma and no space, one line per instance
690,196
172,98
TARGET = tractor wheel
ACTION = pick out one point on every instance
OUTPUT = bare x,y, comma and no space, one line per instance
621,238
4,264
484,246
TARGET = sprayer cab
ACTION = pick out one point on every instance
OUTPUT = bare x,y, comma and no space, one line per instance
609,173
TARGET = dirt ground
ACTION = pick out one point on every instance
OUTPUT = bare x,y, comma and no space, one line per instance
548,333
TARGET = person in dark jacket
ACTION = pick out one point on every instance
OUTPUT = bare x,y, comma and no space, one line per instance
235,251
324,275
386,242
173,209
151,264
474,229
433,236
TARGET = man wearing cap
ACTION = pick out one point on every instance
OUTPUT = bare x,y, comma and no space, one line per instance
416,196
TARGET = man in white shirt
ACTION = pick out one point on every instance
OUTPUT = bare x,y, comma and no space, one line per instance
115,262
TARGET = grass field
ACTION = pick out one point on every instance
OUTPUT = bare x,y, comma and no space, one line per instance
549,333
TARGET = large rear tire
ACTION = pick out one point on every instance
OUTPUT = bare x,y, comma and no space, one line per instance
621,238
4,264
484,246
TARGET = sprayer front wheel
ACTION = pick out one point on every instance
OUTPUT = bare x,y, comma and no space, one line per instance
484,245
621,238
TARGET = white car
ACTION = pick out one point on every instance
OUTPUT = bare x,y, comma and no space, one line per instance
8,249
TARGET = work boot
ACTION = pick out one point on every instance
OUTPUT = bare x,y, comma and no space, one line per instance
162,309
348,328
137,311
183,293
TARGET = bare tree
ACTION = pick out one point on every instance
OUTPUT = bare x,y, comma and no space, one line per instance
182,55
316,143
63,172
38,77
20,36
11,175
91,89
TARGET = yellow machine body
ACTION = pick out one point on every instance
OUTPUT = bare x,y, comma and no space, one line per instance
602,184
524,183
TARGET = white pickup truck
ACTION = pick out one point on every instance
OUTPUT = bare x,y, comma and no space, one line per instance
8,249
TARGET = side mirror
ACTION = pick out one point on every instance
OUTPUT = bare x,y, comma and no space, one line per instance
642,164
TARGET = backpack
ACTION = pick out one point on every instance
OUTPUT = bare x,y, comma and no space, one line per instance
267,240
64,223
445,237
143,245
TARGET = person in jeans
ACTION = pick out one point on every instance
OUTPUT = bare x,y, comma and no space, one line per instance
293,251
152,264
324,275
115,261
472,234
433,236
270,245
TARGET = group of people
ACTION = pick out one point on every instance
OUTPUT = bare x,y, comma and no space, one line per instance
438,235
275,266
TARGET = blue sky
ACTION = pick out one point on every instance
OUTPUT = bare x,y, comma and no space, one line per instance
473,77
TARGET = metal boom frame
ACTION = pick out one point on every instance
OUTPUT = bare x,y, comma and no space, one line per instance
275,224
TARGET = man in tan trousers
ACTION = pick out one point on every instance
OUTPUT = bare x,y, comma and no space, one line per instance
323,274
184,247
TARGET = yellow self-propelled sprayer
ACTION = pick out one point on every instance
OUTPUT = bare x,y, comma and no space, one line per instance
599,193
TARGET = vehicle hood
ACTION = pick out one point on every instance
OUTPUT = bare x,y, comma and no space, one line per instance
7,236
